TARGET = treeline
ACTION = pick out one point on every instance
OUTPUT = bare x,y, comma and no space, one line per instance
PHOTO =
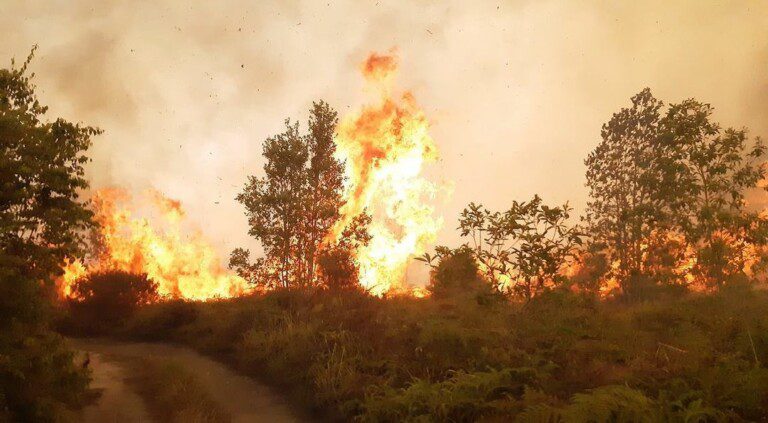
666,212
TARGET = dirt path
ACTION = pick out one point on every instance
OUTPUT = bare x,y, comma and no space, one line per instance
243,398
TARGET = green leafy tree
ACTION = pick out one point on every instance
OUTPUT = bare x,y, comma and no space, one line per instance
325,182
42,222
274,204
521,251
707,170
292,207
622,177
666,182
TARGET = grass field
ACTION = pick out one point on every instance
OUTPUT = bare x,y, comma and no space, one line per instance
561,357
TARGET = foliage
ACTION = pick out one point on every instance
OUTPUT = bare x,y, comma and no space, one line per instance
38,381
41,172
291,209
707,170
105,299
522,250
336,264
352,356
623,175
41,223
456,275
461,398
663,183
174,394
619,403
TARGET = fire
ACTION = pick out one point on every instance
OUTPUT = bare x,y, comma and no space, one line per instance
385,146
668,249
183,266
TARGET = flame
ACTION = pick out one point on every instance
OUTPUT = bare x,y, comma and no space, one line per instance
183,266
746,258
73,270
385,146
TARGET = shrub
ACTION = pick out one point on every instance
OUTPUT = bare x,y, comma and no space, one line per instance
155,323
352,356
457,275
103,301
38,380
337,269
462,397
173,394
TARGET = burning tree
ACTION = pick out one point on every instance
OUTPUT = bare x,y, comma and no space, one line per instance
667,192
706,172
291,209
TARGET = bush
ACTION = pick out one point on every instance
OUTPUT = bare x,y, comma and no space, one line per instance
337,269
155,323
173,394
457,275
38,380
104,301
464,397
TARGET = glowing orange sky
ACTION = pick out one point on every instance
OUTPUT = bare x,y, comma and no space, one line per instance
516,91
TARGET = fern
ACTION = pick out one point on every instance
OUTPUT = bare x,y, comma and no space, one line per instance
613,403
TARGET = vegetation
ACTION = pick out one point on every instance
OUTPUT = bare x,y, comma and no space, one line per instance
563,354
507,333
663,182
173,393
103,300
42,220
522,324
292,207
521,251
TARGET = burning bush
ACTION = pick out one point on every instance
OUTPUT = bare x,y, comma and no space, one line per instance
338,269
456,275
103,301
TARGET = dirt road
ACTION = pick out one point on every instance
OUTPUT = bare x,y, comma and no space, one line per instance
243,398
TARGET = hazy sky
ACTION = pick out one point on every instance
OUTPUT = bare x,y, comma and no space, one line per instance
517,90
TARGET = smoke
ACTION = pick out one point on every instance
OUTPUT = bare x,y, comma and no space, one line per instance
516,91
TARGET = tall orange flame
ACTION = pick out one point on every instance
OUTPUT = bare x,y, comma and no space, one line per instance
183,266
385,146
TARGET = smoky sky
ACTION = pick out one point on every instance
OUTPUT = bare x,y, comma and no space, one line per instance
516,91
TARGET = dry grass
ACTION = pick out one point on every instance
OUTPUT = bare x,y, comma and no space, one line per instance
173,394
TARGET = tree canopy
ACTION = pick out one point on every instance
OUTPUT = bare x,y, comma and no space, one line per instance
292,207
662,182
42,222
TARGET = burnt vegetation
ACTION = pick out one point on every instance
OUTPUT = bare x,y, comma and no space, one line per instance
649,308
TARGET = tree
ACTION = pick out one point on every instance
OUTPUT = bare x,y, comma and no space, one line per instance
665,183
707,170
292,207
42,222
325,182
521,251
622,177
